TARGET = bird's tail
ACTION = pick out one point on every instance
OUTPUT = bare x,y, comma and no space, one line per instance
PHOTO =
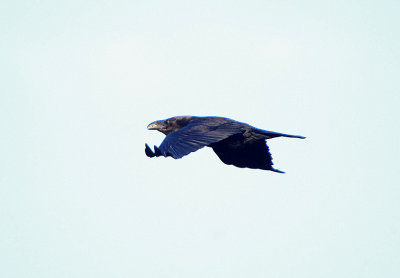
277,171
272,134
293,136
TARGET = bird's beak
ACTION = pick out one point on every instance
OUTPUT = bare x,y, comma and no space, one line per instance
153,126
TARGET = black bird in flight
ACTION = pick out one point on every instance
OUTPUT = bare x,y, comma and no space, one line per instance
235,143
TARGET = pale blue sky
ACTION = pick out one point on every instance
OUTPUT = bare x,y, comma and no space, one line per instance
81,80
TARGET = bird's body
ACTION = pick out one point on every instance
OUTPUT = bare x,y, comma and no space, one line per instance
235,143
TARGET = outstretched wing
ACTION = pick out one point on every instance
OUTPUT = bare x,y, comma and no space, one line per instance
196,136
252,154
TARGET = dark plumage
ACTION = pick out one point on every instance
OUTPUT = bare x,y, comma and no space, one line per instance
235,143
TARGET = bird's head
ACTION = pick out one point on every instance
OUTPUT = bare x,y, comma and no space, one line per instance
161,126
169,125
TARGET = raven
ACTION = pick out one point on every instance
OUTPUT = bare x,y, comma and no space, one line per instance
235,143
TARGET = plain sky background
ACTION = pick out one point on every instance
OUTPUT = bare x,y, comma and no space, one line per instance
80,81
